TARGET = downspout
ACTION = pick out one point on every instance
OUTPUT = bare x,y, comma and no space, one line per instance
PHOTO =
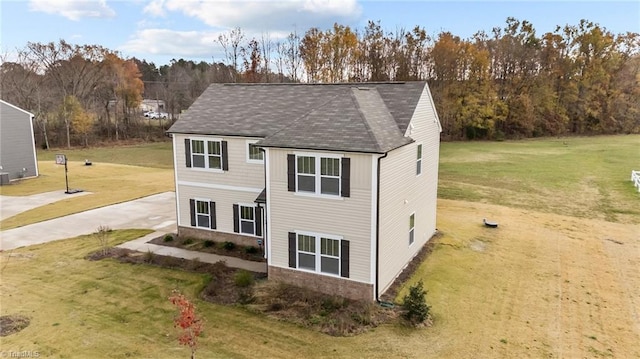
378,229
264,213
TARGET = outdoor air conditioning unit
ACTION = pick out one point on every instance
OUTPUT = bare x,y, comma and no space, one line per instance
4,178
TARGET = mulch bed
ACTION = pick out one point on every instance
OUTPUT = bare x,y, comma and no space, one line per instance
333,315
249,253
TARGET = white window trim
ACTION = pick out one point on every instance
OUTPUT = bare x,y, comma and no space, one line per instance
412,229
318,254
207,201
248,159
419,144
252,205
318,176
206,155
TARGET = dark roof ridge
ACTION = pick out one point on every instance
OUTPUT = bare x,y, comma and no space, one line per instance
364,117
313,84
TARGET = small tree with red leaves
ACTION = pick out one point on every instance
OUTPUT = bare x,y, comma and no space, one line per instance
187,320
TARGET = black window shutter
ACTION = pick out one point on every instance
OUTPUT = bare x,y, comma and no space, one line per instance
187,151
192,207
345,180
236,219
292,250
344,259
212,213
291,173
225,157
258,217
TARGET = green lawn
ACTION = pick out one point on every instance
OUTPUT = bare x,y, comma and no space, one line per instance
155,154
582,176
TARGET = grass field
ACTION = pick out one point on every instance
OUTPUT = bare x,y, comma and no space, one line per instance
586,177
552,281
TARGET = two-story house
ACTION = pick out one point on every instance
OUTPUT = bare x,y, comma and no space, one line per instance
338,181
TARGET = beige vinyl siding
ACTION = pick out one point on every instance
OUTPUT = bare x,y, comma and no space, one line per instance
240,173
347,217
224,199
403,193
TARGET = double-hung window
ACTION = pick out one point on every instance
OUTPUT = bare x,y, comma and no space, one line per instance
330,176
330,255
327,254
206,153
307,252
203,216
412,228
203,213
306,174
419,160
325,175
247,219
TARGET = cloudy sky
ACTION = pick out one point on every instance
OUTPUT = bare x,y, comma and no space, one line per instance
161,30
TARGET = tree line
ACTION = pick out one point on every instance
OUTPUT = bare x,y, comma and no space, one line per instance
508,83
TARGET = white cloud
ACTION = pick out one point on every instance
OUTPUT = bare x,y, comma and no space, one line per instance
178,44
262,14
73,9
254,17
155,8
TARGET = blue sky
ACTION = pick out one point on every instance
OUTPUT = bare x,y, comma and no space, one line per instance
161,30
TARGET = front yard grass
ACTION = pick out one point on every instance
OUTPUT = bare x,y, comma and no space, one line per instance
540,285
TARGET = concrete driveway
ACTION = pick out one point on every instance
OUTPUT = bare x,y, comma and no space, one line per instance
12,205
156,212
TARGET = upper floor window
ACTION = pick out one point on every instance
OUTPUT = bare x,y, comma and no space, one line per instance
330,176
319,174
419,160
204,153
254,155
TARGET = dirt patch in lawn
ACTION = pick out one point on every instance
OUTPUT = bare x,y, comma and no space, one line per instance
333,315
10,324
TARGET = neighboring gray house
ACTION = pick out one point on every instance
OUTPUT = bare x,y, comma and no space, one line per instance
17,144
339,181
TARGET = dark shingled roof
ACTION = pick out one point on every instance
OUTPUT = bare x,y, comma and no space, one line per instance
364,117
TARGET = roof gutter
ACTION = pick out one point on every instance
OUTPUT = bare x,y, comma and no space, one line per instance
378,228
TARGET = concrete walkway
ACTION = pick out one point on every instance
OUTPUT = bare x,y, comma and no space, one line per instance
141,245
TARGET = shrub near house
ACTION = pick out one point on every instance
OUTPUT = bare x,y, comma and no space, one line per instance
338,182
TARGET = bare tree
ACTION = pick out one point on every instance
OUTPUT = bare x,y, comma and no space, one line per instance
281,51
231,44
293,58
267,48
